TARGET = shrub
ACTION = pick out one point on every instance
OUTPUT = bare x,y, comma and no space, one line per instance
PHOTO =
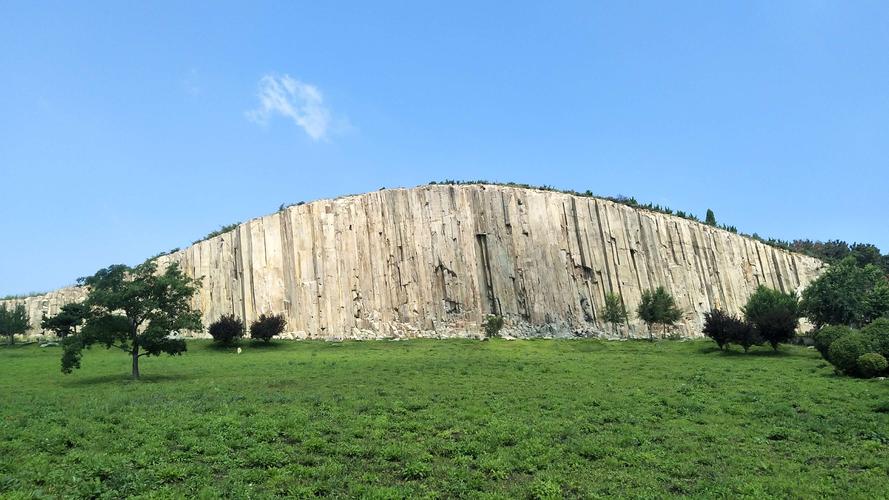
227,329
726,329
871,364
844,352
492,325
267,326
718,326
878,333
745,335
658,306
774,313
614,312
827,335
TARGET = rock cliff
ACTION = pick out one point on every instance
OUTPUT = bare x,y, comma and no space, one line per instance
433,261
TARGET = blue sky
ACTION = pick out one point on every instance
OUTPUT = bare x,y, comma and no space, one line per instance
130,128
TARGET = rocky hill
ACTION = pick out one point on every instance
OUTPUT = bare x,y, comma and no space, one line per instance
433,261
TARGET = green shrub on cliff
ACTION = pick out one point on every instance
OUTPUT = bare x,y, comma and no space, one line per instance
492,325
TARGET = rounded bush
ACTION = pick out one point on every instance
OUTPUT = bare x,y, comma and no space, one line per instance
871,364
267,326
827,335
878,333
844,351
227,329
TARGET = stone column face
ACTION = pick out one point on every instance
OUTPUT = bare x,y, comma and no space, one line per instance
433,261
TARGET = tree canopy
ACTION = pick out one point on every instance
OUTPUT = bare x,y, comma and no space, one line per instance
775,314
847,294
658,307
67,320
13,321
135,310
614,312
710,218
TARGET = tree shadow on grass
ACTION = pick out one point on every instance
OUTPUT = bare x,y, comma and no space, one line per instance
217,347
735,351
259,344
124,378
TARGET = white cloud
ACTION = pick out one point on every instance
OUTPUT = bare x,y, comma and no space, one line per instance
301,102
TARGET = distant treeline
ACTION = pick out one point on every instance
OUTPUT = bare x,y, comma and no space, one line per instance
828,251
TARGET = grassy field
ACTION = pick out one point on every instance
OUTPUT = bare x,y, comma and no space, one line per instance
442,419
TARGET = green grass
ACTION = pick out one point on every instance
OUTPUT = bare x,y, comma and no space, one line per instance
442,419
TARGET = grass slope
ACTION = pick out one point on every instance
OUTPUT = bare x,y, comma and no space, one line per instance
442,419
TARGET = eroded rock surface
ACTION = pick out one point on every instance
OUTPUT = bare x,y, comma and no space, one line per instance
433,261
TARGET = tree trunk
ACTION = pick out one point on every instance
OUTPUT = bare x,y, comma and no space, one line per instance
136,362
135,339
11,339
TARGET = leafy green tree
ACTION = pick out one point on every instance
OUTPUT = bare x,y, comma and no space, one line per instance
710,219
865,253
775,314
135,310
847,294
658,307
13,321
267,326
65,323
615,313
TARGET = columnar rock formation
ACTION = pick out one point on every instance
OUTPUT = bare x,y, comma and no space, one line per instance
435,260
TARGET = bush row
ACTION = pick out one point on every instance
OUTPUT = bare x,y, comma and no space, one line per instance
859,353
227,330
770,316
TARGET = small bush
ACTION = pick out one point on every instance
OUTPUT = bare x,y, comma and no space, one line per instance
267,326
844,352
492,325
227,330
878,333
871,364
827,335
545,489
718,326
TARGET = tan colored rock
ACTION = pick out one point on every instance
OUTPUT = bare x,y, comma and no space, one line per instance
432,261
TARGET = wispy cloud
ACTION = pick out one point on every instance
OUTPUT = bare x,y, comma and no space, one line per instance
301,102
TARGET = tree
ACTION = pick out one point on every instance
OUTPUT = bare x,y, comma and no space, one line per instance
710,219
744,334
492,325
135,310
227,329
65,323
615,312
718,326
847,294
775,314
13,321
865,253
267,326
658,306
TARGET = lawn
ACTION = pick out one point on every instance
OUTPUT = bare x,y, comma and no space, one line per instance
449,418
